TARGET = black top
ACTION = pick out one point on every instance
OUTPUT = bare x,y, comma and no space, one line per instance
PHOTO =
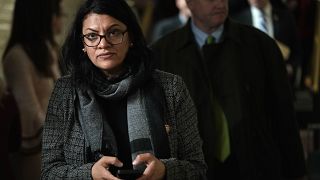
116,116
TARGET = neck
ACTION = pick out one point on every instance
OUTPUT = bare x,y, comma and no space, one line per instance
207,29
116,74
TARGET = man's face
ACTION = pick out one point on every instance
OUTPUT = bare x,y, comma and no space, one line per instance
208,14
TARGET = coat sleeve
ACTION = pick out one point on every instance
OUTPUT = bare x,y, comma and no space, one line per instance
56,128
281,109
189,163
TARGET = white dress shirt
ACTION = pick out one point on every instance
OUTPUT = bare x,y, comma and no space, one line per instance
257,18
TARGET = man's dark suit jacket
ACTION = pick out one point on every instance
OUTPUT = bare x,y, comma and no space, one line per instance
247,75
284,28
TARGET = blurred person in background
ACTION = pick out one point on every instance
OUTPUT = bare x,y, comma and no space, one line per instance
9,131
278,22
144,10
58,15
169,24
30,63
164,9
305,13
235,6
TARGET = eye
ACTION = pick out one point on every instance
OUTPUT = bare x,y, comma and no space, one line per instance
114,33
92,36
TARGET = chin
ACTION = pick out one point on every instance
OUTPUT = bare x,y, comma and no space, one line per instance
106,67
110,67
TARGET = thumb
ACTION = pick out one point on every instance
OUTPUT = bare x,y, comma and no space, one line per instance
107,161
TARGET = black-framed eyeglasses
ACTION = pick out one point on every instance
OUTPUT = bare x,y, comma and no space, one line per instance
113,37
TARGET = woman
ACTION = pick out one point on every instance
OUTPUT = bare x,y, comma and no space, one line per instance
113,110
31,67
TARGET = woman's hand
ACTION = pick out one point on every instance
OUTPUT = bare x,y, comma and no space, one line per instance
155,168
100,168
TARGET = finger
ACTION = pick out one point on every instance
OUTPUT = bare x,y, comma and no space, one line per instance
106,161
143,158
143,177
101,172
150,168
111,177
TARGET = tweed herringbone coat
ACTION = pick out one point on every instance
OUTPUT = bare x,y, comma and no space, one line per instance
63,152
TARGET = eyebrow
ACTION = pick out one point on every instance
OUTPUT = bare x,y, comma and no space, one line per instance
94,30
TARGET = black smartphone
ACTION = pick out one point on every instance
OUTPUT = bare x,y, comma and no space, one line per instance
129,173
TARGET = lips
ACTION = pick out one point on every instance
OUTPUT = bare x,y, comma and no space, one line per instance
105,55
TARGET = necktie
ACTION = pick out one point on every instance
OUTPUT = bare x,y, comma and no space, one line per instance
263,22
221,132
210,40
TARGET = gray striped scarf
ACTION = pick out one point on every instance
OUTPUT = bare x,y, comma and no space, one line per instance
145,114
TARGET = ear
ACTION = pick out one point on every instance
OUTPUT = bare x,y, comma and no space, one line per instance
84,50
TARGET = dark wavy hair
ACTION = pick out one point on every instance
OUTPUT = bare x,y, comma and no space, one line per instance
77,63
32,28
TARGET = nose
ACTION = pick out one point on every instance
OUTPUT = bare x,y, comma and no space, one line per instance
104,43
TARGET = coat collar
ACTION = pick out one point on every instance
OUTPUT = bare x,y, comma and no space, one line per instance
230,32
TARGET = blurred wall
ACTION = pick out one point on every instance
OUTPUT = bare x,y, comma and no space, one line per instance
6,7
315,65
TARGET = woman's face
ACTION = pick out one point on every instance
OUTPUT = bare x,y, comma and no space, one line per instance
108,54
